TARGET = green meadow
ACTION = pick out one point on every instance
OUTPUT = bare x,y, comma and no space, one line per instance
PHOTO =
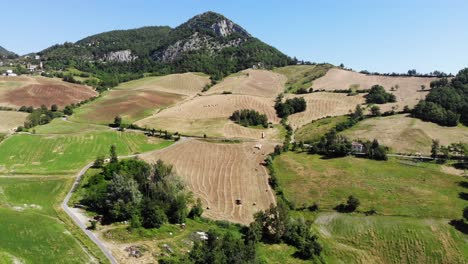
65,154
31,229
393,187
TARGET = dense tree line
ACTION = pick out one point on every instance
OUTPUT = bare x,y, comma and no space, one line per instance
333,145
39,116
378,95
410,73
146,195
290,106
447,102
249,117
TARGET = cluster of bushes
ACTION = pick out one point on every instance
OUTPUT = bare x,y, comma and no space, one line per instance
290,106
378,95
447,102
221,248
39,116
351,91
132,190
249,117
274,225
350,206
333,145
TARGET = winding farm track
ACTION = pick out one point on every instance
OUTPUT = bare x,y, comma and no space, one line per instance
76,218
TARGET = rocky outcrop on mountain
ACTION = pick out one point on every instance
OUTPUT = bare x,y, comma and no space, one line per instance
120,56
194,43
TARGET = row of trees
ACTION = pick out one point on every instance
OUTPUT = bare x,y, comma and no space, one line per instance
333,145
146,195
290,106
411,73
39,116
447,102
249,117
454,150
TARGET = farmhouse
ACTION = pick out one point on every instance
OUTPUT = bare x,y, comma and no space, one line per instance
10,73
357,147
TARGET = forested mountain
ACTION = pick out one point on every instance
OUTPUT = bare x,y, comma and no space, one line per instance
4,53
208,43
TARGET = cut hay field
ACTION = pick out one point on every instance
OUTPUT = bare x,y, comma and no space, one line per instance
219,174
391,188
31,230
389,239
322,104
252,82
210,115
404,134
138,99
10,120
66,154
302,76
409,91
37,91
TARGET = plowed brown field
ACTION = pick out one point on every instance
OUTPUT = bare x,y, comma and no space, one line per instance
37,91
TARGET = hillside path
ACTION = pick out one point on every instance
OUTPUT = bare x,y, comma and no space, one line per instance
82,225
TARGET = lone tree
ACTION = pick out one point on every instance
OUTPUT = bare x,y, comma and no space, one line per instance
113,154
117,121
54,108
435,148
352,204
375,110
465,213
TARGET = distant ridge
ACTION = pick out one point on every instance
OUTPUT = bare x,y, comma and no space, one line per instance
4,53
208,42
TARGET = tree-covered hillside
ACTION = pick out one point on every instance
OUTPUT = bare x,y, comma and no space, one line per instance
207,43
4,53
447,102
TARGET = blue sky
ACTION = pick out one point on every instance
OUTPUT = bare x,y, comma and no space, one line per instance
382,36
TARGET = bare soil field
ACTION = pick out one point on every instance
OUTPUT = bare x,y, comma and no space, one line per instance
409,91
405,134
322,104
252,82
9,120
209,114
219,174
140,98
37,91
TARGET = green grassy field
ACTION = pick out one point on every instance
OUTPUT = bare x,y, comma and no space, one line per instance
302,76
31,231
389,239
391,188
318,128
66,154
